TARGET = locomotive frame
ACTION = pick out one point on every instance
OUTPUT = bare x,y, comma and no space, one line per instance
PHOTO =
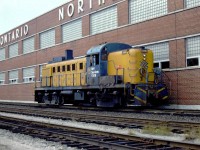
110,75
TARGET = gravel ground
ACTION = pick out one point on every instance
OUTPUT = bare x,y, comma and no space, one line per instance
133,115
92,126
13,141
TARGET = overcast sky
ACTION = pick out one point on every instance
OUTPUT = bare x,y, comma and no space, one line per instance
16,12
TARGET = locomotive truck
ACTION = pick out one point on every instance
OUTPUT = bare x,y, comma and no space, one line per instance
109,75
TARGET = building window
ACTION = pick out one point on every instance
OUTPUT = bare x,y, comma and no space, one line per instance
2,54
141,10
193,51
161,54
191,3
13,50
72,31
103,20
2,78
29,75
47,39
13,77
28,45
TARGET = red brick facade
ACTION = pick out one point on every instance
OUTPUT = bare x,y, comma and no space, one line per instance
173,27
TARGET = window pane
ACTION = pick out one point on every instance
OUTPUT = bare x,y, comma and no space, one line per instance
2,54
28,72
140,10
193,62
103,20
160,51
165,65
2,78
193,46
13,50
72,31
47,38
28,45
192,3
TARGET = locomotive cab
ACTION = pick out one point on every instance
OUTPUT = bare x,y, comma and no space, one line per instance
97,61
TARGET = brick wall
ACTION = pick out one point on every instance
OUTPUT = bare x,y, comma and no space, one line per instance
185,83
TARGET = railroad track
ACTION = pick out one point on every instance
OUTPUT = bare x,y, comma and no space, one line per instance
181,127
159,111
88,139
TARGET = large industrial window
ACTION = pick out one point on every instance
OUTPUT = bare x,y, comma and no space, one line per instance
2,78
72,31
141,10
28,45
103,20
29,74
193,51
2,54
13,50
161,54
47,38
191,3
13,76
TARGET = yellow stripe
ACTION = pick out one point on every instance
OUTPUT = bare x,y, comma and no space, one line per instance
141,90
165,97
160,90
143,101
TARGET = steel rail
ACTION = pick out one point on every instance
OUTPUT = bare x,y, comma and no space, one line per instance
122,122
91,137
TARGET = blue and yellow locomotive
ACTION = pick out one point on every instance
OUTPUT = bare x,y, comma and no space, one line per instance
111,74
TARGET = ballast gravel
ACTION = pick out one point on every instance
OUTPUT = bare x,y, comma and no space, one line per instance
92,126
13,141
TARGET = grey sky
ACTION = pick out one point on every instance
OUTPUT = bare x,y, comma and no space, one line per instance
16,12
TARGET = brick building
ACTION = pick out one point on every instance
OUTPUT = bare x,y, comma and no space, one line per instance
170,27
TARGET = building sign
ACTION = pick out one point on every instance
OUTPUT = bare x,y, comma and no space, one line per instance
70,9
13,35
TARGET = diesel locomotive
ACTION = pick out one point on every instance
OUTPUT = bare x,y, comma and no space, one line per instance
109,75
